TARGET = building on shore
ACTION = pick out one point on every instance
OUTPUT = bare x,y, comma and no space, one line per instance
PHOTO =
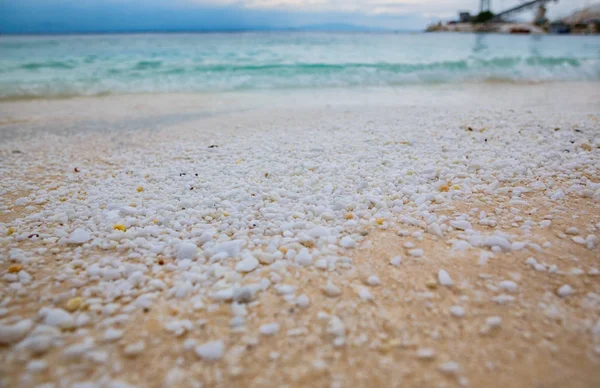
464,17
585,21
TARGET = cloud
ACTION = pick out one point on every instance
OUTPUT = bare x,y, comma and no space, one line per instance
57,16
384,6
367,7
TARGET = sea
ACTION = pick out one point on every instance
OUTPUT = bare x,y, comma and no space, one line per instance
87,65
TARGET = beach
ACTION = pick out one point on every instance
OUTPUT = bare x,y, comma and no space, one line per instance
437,235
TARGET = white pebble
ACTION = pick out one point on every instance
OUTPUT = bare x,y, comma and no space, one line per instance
444,278
248,264
347,242
16,332
229,248
79,236
416,252
449,367
426,353
591,241
494,321
497,241
545,223
461,245
460,224
187,250
189,344
336,327
134,348
37,366
285,289
302,301
434,229
21,201
178,327
508,285
457,311
111,335
572,230
303,258
364,294
59,318
77,350
244,294
503,299
373,280
269,329
211,351
332,290
98,356
531,261
565,290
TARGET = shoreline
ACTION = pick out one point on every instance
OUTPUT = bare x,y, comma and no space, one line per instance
160,112
329,89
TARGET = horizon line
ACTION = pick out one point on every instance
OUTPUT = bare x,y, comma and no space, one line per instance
215,31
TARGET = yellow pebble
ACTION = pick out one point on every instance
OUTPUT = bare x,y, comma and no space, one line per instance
74,304
379,221
226,214
120,227
62,199
15,268
431,283
155,222
395,342
283,250
445,188
349,216
140,189
586,147
11,230
456,187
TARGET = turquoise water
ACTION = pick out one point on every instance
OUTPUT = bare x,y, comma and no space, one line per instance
53,66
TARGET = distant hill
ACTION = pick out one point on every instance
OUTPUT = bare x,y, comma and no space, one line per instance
337,27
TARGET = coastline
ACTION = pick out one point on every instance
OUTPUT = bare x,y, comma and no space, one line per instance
278,152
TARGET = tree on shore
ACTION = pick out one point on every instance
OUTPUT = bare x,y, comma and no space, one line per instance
482,17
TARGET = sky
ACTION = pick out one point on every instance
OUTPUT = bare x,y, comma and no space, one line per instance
72,16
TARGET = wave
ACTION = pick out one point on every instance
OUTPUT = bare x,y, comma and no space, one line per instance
496,63
48,65
94,76
144,65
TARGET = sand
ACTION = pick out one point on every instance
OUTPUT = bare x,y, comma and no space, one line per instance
68,146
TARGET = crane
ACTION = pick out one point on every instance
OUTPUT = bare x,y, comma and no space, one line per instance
520,8
485,5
